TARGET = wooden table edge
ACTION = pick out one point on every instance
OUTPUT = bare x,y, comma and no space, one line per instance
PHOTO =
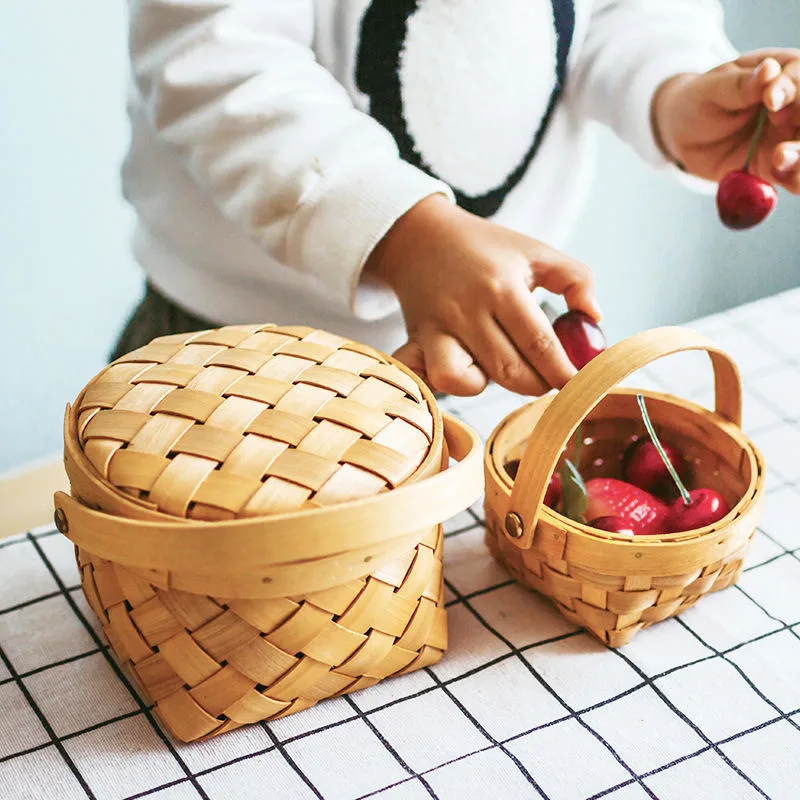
26,495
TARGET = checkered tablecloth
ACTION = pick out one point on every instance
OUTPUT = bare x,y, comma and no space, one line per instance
523,705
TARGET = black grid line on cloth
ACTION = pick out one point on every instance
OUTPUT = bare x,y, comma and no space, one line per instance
290,761
161,788
688,721
428,690
741,672
48,728
118,670
788,626
495,742
478,669
391,703
480,592
488,747
388,747
33,601
786,550
75,734
22,538
60,663
694,754
476,523
571,712
321,728
792,553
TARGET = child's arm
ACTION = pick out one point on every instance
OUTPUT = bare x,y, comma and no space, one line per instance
664,76
232,87
632,47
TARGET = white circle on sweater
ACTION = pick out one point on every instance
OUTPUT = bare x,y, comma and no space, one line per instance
476,78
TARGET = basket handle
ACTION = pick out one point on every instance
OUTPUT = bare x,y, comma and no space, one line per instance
583,392
247,546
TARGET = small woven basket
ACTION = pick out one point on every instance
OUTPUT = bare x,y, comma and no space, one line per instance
257,519
615,585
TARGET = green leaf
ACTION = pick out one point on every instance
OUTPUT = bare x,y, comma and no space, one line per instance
574,498
578,443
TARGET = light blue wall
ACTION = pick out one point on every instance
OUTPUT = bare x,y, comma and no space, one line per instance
67,280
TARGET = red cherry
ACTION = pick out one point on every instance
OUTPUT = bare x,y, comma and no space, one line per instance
580,337
613,524
644,467
609,497
705,507
744,200
552,496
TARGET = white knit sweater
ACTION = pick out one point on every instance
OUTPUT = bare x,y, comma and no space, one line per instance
274,142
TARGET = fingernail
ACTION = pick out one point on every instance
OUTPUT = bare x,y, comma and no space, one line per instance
777,97
788,159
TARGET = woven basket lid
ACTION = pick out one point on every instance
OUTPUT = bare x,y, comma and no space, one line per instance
245,421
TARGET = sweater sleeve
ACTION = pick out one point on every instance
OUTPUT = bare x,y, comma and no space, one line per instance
631,47
234,89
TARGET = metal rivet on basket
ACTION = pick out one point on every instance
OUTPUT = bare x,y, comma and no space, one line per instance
60,520
514,526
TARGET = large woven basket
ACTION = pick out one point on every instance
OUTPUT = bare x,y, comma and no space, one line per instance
256,513
614,585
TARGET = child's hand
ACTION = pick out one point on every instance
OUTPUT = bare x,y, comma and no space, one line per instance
706,122
464,285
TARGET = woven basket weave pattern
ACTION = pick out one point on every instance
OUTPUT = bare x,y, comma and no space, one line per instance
211,664
613,607
253,421
246,422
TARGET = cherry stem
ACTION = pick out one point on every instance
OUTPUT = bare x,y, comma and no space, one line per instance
762,120
651,432
578,442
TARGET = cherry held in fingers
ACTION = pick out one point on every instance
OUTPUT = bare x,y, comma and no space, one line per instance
743,199
580,336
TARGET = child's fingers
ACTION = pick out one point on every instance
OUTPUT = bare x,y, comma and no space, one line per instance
532,334
780,54
412,355
449,367
784,89
501,360
735,87
786,165
561,274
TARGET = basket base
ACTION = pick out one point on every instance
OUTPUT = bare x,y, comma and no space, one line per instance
210,664
602,605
